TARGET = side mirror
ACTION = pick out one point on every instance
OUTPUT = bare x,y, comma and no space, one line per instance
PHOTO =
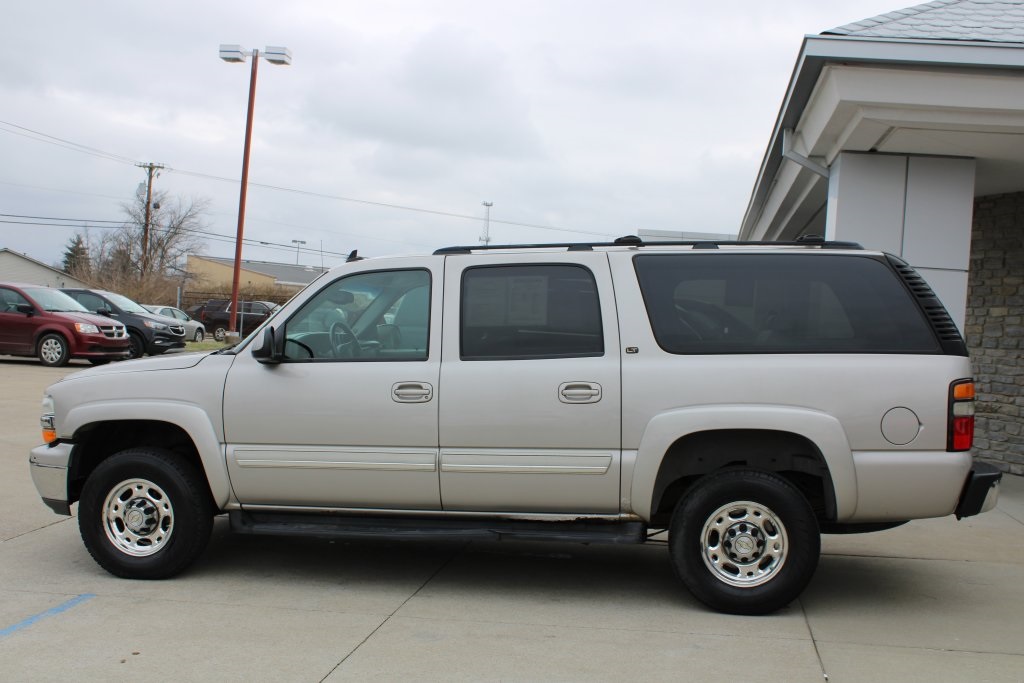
27,309
271,351
103,312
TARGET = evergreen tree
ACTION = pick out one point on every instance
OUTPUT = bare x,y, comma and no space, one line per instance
76,257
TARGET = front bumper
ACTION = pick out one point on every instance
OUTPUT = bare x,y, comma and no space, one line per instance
49,467
162,342
981,491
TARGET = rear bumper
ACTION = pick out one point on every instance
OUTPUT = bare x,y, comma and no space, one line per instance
981,491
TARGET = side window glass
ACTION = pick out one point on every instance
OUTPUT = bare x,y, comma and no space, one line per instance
91,302
377,316
10,300
776,303
524,312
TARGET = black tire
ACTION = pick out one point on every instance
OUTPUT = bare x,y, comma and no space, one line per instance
145,514
52,350
744,541
136,345
219,332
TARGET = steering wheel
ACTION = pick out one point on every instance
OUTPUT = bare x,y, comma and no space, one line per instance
343,340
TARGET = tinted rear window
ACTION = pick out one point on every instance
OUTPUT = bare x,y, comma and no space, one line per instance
779,303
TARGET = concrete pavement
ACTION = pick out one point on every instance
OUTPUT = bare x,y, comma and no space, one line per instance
935,600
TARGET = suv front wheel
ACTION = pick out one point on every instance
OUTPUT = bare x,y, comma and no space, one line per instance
145,514
744,541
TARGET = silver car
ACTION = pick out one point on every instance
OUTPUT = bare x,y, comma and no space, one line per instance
194,329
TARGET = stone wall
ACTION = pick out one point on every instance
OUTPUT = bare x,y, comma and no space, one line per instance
994,328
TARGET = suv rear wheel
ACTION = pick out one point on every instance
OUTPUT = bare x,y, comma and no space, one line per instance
744,541
145,514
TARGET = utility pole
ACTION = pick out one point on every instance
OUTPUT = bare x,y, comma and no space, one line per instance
151,168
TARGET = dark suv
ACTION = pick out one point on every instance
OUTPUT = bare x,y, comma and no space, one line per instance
44,322
147,332
216,314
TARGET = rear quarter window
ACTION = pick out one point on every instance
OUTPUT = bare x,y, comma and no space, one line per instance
779,303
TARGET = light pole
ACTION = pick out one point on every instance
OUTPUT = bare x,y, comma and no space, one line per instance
236,53
485,238
297,244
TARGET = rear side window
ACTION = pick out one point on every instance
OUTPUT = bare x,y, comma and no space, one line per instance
537,311
779,303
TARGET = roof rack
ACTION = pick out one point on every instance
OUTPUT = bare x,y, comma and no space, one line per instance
634,241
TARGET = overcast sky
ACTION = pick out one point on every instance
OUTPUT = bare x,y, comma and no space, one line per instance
593,118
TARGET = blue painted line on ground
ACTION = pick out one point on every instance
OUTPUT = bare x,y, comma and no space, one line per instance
52,612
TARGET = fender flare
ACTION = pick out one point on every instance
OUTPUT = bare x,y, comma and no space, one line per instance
192,419
821,429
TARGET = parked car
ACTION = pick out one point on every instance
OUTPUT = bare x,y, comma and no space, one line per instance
217,313
147,332
194,329
44,322
745,397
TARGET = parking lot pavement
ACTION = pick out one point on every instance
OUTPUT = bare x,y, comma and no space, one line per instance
935,600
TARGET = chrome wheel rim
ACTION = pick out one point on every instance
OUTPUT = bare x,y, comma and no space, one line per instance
51,350
744,544
138,517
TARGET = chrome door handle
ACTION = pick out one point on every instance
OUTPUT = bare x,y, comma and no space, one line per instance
579,392
412,392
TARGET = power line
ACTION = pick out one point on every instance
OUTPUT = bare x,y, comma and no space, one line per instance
54,222
386,205
74,146
60,142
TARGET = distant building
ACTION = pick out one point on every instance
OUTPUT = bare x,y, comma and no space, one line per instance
210,273
15,267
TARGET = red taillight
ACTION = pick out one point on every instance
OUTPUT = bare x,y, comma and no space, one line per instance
961,415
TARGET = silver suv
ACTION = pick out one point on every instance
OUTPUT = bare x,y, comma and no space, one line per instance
745,397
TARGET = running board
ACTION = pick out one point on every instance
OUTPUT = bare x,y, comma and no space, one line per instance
429,528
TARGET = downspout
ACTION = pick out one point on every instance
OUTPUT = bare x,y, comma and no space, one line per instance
788,153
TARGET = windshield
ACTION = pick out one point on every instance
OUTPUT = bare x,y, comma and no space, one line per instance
126,304
54,300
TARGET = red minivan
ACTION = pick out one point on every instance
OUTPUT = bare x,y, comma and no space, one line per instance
45,322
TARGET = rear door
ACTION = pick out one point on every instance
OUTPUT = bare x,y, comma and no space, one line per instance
530,409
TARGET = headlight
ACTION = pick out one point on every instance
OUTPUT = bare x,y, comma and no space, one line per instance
46,420
86,328
154,325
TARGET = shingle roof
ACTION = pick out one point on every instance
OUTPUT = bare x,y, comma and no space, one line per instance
999,21
282,272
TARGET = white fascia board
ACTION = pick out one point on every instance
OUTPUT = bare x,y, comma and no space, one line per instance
817,51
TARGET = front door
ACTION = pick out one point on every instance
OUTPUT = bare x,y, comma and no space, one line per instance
349,418
531,408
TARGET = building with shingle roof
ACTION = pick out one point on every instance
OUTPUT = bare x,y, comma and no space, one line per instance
905,132
212,273
976,20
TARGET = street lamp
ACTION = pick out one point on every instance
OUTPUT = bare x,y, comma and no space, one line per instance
485,238
237,53
298,243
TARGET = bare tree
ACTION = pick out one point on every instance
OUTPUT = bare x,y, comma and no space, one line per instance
121,263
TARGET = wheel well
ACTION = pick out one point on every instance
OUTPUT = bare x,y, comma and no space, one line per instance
793,457
56,333
96,442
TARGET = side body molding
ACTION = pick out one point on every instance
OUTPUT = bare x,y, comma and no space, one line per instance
823,430
189,417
